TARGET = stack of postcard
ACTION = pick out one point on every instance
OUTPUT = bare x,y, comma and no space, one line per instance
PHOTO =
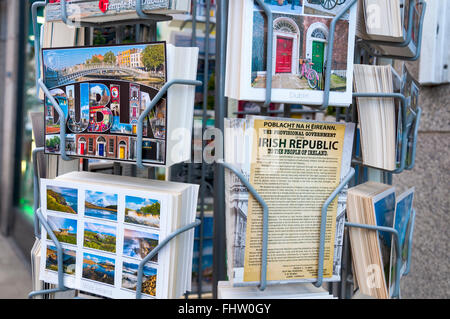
374,254
300,42
388,20
108,224
225,290
377,116
104,91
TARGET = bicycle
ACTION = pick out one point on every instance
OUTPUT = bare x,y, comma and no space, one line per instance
309,73
327,4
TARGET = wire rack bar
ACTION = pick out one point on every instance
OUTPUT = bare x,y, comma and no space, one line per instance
62,120
323,223
408,40
36,189
158,249
397,247
327,87
405,104
59,256
156,99
265,231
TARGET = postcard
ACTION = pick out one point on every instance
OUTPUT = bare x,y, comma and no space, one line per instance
402,223
98,268
138,244
301,40
101,205
104,238
65,229
385,206
69,260
62,199
103,91
142,211
129,278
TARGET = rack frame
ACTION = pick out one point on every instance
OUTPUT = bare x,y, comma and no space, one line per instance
39,219
355,162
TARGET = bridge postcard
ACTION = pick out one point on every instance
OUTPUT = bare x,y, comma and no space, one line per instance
102,91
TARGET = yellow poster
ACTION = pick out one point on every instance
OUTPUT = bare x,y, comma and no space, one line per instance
295,166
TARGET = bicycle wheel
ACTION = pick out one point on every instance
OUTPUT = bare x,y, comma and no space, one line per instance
329,4
341,2
312,78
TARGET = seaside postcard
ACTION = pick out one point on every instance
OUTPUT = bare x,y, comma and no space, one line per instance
100,205
138,244
142,211
62,199
129,278
69,260
105,233
98,268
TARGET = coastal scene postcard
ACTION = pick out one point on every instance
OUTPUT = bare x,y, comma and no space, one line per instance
104,236
103,91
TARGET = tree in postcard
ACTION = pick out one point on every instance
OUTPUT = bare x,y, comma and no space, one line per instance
109,58
53,143
153,57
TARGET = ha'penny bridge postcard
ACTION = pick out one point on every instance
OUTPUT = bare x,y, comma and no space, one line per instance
102,92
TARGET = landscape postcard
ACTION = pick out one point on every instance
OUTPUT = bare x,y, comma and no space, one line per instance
142,211
65,229
114,229
102,91
129,278
62,199
69,260
100,237
139,244
98,268
100,205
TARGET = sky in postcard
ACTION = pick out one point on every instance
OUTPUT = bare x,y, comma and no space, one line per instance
135,203
100,229
148,271
98,259
101,199
70,192
62,58
57,223
138,234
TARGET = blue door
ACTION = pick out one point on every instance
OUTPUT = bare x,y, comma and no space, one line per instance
101,149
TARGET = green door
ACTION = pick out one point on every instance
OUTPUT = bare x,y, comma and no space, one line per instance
318,54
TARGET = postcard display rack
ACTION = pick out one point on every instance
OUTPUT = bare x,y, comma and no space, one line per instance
357,173
39,219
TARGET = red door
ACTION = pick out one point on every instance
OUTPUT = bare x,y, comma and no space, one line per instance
82,145
284,55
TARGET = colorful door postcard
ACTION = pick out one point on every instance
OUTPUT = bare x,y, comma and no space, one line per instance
299,46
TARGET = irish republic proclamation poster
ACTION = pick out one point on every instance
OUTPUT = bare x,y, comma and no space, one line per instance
295,166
